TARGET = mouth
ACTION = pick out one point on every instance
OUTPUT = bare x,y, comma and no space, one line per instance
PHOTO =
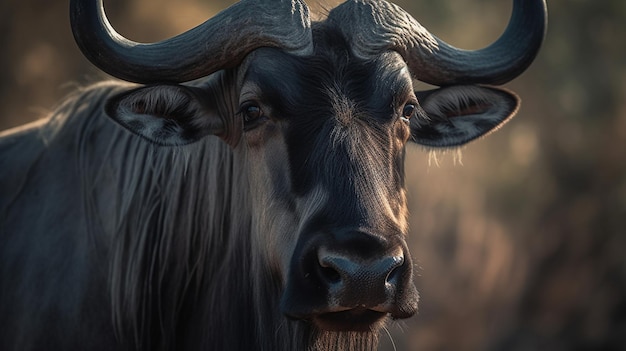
357,319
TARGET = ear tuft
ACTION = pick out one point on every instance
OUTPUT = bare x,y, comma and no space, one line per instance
459,114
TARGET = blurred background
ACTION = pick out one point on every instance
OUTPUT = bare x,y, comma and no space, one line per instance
520,239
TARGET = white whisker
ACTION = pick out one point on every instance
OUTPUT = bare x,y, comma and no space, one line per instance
390,338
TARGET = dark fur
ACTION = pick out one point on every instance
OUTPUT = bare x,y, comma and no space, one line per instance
110,242
156,251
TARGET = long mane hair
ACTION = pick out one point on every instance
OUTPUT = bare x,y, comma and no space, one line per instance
172,230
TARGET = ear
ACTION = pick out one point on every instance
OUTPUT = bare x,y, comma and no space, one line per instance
165,115
456,115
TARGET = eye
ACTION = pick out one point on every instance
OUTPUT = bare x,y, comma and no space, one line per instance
251,112
252,115
407,111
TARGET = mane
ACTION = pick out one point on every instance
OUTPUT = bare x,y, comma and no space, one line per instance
173,225
164,213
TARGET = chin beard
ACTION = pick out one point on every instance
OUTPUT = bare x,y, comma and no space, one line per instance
344,341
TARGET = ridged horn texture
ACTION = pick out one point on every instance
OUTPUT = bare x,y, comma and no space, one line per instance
373,26
221,42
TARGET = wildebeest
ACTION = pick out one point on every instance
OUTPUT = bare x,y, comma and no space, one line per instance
258,201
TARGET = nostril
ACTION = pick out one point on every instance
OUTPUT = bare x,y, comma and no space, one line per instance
333,268
329,274
395,265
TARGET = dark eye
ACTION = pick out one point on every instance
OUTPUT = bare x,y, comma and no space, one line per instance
252,115
408,110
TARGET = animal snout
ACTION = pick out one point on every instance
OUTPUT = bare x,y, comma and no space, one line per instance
356,280
350,281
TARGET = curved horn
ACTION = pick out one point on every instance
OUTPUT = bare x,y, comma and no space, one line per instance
220,42
372,26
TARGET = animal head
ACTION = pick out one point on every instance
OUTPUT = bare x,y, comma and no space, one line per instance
321,114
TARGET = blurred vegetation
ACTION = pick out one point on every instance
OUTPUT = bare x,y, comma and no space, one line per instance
520,242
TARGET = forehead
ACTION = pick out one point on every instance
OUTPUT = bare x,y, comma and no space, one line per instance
276,62
327,76
339,112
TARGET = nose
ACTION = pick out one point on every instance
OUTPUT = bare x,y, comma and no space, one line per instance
349,280
360,279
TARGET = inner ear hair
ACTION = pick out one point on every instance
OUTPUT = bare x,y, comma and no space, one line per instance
456,101
169,102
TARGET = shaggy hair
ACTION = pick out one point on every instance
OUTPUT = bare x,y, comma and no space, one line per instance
170,228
